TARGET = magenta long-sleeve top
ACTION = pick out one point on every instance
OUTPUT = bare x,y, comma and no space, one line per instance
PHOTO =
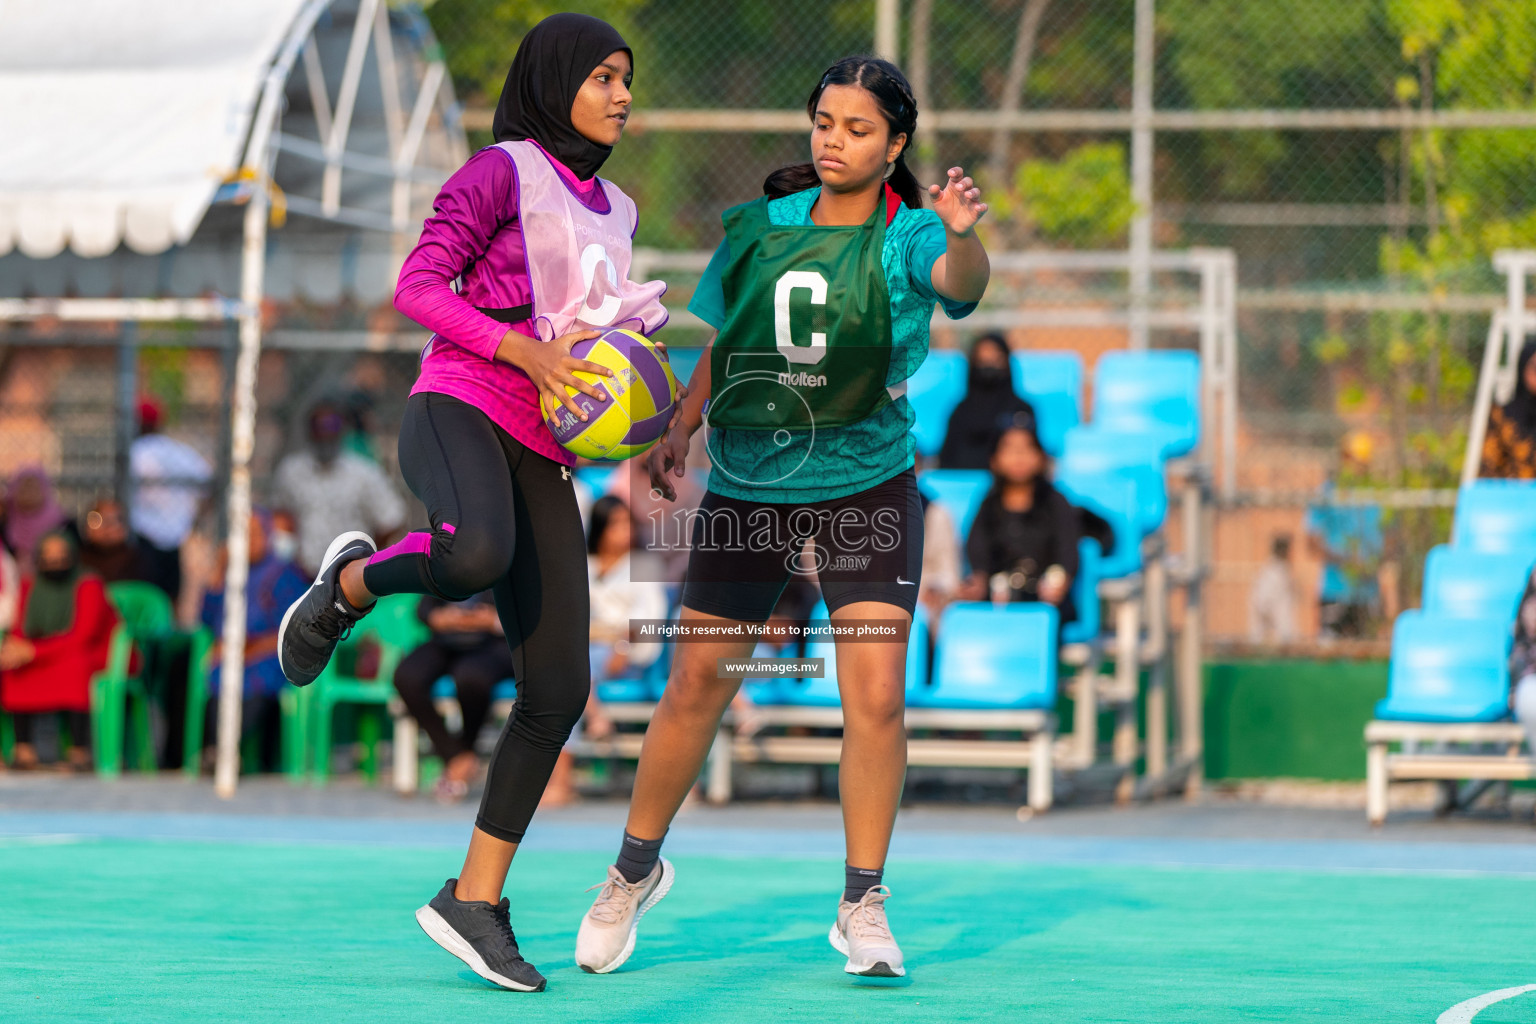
474,236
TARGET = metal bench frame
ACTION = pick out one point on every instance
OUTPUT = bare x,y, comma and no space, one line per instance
1383,766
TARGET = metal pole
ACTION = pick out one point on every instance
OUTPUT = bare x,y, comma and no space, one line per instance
243,433
1229,376
127,418
887,18
1141,173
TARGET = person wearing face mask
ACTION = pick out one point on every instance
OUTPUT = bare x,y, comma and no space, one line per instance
273,584
990,406
329,490
61,637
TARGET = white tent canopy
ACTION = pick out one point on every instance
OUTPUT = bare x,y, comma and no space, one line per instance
121,119
130,124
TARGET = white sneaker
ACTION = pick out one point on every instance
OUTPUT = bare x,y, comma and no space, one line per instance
862,934
607,935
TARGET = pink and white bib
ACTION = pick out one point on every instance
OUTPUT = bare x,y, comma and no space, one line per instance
578,258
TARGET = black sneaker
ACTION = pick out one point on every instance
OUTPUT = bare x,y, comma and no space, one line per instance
480,935
317,621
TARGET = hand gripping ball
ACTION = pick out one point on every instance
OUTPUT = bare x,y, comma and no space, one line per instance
641,395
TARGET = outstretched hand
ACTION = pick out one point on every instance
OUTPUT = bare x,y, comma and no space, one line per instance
958,202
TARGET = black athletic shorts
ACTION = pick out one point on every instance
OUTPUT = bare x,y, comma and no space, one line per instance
867,547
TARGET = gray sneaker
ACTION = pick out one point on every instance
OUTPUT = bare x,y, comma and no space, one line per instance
317,621
480,934
607,935
863,935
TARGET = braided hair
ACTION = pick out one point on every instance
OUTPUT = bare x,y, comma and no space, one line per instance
893,95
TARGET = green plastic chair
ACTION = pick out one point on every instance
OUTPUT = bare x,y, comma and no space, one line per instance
295,711
395,628
119,697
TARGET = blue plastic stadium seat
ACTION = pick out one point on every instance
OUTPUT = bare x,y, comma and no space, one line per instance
1496,516
1112,496
1085,594
625,691
1155,393
1447,670
1053,384
823,692
1137,457
994,657
597,478
934,391
1460,584
960,490
683,361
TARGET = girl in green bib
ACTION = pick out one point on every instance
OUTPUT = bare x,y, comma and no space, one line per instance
820,294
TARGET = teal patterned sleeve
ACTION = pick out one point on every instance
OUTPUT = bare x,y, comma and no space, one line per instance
708,302
925,244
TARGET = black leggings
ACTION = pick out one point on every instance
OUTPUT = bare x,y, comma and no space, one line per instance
475,672
504,519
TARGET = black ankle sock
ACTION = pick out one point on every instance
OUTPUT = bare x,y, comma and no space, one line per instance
637,857
858,881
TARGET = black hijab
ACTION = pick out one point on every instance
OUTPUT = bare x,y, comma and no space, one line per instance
1521,409
552,62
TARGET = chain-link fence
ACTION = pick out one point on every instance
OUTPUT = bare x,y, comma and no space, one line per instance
1361,159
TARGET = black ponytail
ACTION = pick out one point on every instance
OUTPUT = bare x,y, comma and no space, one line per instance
885,82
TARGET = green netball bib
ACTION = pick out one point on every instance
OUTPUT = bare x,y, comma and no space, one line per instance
807,336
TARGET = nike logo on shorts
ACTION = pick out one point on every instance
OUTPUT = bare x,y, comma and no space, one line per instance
905,583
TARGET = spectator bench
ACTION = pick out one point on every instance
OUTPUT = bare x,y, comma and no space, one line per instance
1492,752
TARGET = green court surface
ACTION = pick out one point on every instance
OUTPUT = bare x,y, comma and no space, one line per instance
149,930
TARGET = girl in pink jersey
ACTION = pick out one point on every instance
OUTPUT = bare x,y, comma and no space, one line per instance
541,248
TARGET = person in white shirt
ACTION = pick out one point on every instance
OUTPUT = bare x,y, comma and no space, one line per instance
330,490
170,482
622,589
1272,601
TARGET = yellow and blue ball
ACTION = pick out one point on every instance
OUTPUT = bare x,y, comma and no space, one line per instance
641,395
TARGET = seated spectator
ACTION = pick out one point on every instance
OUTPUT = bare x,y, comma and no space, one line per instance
110,550
1522,665
330,490
10,590
1509,447
32,510
1023,544
1272,601
61,637
469,646
273,585
941,558
990,405
617,594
